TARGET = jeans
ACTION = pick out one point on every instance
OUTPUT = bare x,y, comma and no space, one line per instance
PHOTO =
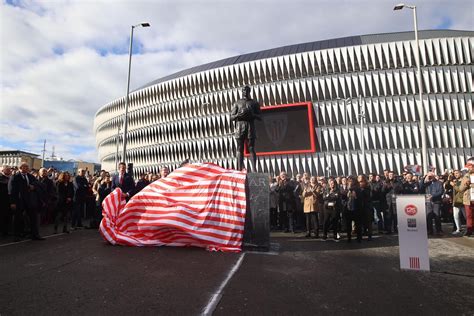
457,218
433,211
380,214
330,220
312,223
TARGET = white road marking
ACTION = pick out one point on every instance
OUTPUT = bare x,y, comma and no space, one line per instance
216,297
27,240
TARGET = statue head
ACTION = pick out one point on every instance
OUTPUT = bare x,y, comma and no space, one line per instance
246,92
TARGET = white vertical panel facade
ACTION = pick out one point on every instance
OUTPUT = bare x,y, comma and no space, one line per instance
186,116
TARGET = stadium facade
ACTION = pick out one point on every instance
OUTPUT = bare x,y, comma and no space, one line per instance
186,115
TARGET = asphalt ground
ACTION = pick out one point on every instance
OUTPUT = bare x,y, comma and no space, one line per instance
79,274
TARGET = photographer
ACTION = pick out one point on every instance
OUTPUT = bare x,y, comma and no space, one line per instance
410,186
286,202
434,192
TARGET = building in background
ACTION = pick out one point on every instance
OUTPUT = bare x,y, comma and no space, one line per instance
72,166
185,115
13,158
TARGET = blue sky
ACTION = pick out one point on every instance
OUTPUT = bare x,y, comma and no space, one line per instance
62,60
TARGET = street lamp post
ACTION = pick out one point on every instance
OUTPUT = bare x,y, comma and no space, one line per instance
347,102
125,120
362,139
421,108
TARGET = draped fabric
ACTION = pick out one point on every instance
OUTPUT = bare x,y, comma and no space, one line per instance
201,205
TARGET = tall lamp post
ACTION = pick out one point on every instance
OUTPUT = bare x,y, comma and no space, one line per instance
421,108
125,120
347,102
362,136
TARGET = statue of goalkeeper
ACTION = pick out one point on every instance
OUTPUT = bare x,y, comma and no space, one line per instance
244,112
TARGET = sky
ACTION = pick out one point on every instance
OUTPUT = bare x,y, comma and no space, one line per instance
60,61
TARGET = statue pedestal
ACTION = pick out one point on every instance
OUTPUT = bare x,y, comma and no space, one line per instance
257,218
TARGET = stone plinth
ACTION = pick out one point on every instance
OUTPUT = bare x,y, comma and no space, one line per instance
257,219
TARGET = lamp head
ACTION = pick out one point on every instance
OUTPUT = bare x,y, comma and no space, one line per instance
399,6
145,24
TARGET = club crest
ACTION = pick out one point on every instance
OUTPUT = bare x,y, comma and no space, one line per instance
276,126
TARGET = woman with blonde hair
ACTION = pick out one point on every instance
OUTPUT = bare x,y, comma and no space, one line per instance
309,196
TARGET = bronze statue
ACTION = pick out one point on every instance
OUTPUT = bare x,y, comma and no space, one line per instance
244,112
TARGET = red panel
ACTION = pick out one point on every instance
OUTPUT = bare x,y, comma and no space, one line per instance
309,106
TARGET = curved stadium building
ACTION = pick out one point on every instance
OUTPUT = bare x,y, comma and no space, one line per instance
186,114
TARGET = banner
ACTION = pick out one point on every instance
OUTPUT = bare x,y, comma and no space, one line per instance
412,232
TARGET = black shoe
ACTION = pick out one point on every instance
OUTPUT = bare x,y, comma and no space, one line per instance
38,238
307,235
370,238
325,237
16,239
65,231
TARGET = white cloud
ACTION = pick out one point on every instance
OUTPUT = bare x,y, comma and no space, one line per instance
55,96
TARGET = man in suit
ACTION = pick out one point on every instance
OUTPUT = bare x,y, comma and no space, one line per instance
25,196
5,212
124,181
81,186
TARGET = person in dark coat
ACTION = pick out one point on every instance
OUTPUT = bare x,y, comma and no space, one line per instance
363,209
434,191
377,199
104,189
332,205
5,211
286,202
81,188
392,187
141,183
410,186
26,194
124,181
51,196
65,197
350,207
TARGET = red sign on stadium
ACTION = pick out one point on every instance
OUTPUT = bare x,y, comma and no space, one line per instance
285,129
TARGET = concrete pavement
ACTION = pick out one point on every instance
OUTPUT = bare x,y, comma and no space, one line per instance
79,274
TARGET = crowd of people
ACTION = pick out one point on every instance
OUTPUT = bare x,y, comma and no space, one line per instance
29,198
355,205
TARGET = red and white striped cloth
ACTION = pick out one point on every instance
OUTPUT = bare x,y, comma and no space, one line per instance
200,205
